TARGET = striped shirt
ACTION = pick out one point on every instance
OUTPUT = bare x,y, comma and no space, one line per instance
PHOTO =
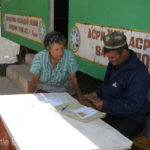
59,74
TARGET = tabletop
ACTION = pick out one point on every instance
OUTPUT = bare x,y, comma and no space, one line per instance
33,125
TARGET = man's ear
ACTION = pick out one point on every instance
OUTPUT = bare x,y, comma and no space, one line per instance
124,51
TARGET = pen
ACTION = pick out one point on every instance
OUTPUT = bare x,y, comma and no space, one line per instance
63,108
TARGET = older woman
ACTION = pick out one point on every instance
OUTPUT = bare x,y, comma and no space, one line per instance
51,67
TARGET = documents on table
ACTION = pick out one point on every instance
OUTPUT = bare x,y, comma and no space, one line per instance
54,101
79,112
69,106
84,112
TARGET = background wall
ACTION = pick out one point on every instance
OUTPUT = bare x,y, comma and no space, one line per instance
35,8
129,15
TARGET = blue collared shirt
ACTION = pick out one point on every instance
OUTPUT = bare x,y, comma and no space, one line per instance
55,76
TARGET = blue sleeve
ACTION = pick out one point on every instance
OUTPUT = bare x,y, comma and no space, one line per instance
135,101
72,63
36,65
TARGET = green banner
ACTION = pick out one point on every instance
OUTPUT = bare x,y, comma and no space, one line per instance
89,21
25,22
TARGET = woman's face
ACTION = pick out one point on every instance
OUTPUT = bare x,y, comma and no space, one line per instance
56,51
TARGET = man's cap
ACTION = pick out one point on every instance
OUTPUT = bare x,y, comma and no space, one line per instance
114,40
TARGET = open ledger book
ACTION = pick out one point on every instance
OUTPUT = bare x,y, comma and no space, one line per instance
69,106
79,112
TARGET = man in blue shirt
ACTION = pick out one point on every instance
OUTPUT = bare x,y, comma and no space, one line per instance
123,94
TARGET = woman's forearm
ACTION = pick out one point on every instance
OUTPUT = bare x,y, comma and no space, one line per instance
76,85
33,83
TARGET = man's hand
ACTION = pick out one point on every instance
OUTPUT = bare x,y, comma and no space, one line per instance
92,96
98,105
84,101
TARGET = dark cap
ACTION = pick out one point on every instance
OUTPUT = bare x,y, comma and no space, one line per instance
114,41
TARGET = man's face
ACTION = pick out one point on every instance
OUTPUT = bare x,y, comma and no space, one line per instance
115,58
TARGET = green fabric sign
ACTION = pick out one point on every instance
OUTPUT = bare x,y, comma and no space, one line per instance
25,22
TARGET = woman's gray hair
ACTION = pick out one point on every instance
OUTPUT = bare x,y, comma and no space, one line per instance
54,37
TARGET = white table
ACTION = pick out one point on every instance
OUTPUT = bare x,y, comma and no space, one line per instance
33,125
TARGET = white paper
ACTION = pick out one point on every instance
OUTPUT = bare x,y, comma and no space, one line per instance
54,101
41,97
84,112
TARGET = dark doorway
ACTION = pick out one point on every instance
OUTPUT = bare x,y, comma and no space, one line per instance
86,82
61,16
